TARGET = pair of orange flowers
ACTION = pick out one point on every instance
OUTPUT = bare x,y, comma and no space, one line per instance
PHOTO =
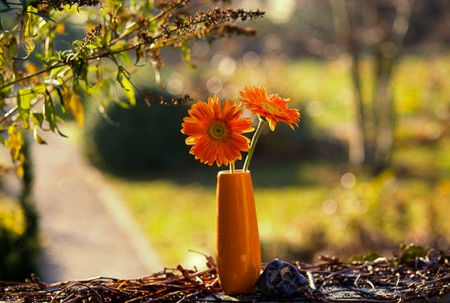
216,131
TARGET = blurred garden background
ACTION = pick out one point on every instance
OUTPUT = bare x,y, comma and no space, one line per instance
317,190
367,170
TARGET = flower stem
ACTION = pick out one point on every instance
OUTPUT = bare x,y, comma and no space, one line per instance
232,167
253,144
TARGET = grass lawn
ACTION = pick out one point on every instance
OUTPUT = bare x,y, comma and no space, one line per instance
179,216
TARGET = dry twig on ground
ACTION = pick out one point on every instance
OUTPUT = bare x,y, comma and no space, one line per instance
381,280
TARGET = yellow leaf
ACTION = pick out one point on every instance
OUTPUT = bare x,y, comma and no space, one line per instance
15,143
60,28
30,67
20,170
77,109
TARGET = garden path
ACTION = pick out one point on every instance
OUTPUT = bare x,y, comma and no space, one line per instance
87,230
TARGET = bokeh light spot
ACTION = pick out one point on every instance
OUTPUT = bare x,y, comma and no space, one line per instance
227,66
175,86
329,206
315,108
348,180
214,85
251,59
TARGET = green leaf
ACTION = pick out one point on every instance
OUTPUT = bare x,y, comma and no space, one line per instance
125,57
369,257
49,112
24,97
76,87
123,79
61,134
61,100
38,138
37,118
119,47
411,253
186,51
43,16
26,35
107,38
80,71
104,12
39,89
50,115
123,104
139,54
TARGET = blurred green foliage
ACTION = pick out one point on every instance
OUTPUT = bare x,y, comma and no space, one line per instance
132,141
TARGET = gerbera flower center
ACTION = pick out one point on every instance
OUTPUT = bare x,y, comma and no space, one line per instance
218,131
269,107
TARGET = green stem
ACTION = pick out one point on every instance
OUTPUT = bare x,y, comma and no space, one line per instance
253,144
232,167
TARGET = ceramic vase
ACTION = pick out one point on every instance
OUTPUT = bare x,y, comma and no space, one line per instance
238,252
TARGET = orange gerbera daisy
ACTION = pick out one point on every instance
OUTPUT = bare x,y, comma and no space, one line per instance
272,108
215,131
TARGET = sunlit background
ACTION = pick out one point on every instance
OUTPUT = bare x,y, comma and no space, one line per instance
342,183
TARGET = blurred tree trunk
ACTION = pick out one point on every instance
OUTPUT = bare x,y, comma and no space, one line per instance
386,54
344,33
364,27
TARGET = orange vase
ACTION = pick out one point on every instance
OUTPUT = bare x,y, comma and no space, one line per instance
238,252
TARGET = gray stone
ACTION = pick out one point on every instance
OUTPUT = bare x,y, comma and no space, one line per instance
280,279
